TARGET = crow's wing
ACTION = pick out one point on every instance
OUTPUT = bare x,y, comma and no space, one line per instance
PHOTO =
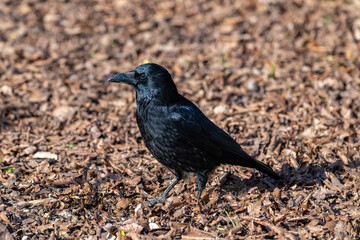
197,129
200,132
188,121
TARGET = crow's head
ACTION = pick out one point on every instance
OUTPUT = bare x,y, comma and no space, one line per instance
148,80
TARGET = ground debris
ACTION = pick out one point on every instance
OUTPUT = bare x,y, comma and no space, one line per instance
282,77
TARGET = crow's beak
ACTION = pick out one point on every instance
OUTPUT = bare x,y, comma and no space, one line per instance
127,77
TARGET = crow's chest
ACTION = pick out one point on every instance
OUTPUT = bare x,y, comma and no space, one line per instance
156,129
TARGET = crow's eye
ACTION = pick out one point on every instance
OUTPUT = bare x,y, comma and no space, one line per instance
142,76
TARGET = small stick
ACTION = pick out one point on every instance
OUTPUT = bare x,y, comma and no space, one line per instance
276,229
35,202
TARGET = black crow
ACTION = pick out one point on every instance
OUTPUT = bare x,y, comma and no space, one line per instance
177,133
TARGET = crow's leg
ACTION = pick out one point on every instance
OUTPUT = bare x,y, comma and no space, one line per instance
201,179
164,194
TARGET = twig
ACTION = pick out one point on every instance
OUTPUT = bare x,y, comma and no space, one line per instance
260,236
245,110
276,229
305,203
114,166
35,202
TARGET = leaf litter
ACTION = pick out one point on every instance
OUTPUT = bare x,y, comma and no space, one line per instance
282,77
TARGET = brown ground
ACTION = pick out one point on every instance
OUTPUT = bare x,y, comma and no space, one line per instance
282,77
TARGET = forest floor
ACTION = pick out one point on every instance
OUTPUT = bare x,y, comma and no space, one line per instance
281,77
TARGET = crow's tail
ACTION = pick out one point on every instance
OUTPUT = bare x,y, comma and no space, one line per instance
243,159
265,169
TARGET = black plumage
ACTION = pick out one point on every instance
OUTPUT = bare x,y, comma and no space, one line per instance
177,133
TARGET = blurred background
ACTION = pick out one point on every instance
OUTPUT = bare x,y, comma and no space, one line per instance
282,77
